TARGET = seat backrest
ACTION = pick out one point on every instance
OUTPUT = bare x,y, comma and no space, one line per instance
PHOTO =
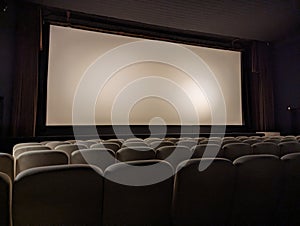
203,197
134,204
100,157
7,165
229,141
157,144
58,195
251,141
54,144
22,150
135,153
87,143
290,198
134,144
210,150
187,143
116,141
173,154
257,191
26,145
108,145
5,199
289,147
266,148
33,159
233,151
69,148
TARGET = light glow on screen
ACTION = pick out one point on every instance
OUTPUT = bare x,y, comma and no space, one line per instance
73,51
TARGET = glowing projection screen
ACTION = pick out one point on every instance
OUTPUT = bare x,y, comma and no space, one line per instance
143,92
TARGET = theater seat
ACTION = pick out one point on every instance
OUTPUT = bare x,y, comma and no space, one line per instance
266,148
187,143
109,145
58,195
157,144
33,159
203,197
290,198
233,151
5,200
257,191
289,147
100,157
210,150
69,148
7,165
138,205
135,153
22,150
54,144
173,154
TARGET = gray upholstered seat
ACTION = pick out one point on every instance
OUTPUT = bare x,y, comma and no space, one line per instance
233,151
258,186
33,159
149,204
203,197
100,157
7,165
173,154
135,153
58,195
5,200
266,148
210,150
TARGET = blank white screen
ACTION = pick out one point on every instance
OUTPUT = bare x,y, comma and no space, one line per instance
73,51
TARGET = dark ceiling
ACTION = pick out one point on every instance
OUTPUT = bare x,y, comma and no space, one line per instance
266,20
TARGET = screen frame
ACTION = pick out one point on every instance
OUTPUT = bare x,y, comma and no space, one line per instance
59,17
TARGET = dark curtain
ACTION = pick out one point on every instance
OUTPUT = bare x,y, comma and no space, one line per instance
262,99
25,86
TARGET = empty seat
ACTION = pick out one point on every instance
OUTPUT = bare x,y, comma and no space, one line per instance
116,141
69,148
251,141
289,147
157,144
58,195
134,144
173,154
266,148
203,197
26,144
290,198
172,139
100,157
187,143
233,151
22,150
210,150
275,141
151,139
87,143
5,199
136,153
109,145
54,144
257,190
229,141
33,159
7,165
135,139
138,193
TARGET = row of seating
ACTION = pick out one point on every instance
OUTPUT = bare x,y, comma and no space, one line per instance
252,190
104,157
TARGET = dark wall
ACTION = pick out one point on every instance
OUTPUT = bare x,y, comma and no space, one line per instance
287,85
7,56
